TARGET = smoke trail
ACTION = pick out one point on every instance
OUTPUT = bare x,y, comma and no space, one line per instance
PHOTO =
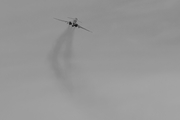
61,58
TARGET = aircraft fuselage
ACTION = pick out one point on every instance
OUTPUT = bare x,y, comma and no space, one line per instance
74,23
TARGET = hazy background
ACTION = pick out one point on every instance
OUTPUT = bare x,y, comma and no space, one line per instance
128,68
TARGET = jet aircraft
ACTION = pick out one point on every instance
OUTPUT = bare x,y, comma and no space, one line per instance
73,23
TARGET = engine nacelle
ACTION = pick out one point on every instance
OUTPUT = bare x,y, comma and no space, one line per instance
70,23
76,25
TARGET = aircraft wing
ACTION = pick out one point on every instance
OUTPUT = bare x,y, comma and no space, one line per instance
84,28
61,20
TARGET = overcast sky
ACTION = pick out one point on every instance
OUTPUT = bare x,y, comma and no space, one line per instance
128,68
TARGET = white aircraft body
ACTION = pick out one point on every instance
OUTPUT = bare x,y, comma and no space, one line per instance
73,23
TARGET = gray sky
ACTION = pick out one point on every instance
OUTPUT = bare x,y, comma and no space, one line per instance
128,68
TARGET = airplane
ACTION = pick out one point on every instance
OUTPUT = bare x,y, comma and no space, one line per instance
73,23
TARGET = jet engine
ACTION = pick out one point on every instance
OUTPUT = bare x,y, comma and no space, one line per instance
70,23
75,25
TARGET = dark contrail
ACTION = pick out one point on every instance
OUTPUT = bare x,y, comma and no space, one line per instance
61,57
